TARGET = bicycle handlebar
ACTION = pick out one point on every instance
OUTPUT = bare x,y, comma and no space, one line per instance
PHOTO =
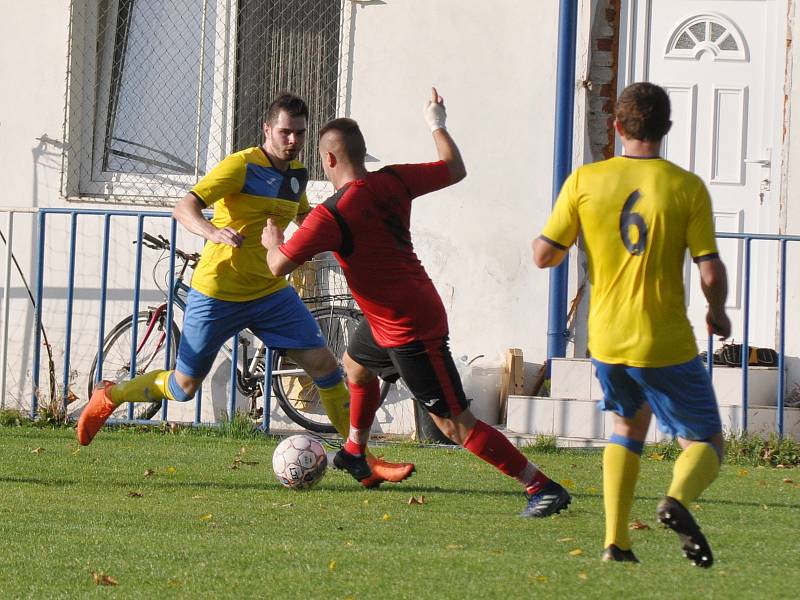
162,243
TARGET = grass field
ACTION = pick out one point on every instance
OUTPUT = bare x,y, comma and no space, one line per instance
167,516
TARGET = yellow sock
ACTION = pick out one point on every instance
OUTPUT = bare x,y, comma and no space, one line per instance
149,387
620,472
336,401
696,467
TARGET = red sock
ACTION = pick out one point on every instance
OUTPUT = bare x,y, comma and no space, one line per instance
364,402
492,446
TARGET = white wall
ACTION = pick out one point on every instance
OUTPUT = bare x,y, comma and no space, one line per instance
495,67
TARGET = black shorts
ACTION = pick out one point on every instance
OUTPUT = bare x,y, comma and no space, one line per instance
426,367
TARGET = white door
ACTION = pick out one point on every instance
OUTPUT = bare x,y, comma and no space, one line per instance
719,60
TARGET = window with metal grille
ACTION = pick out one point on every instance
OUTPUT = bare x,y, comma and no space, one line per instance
161,91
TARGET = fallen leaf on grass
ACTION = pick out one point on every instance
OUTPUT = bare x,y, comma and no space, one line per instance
567,539
175,583
455,546
416,500
76,451
576,552
134,494
386,517
332,565
539,578
366,502
742,472
787,480
103,579
656,456
198,497
638,524
349,543
591,490
148,472
287,505
206,517
567,483
37,450
583,576
171,470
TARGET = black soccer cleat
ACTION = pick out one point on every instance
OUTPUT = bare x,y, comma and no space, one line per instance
674,515
356,465
550,500
613,554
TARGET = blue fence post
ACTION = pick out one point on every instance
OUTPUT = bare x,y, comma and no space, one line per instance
103,297
234,367
173,234
746,337
265,417
137,290
565,102
70,299
781,341
37,320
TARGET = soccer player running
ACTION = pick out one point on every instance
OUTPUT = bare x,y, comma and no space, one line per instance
231,287
638,213
366,224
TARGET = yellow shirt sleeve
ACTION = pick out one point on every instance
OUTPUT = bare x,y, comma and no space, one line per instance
224,179
563,225
700,236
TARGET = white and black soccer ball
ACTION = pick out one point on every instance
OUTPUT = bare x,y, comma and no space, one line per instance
299,462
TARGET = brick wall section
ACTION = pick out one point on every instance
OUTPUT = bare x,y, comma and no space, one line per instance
602,85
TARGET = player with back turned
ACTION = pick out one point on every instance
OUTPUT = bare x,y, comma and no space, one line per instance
638,214
366,224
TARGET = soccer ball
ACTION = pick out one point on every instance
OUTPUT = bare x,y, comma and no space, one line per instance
299,462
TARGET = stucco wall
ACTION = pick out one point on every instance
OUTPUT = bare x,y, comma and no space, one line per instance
496,70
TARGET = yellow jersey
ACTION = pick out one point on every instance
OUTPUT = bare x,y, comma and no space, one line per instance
637,217
245,190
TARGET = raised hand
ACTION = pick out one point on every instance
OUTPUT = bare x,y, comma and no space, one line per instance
434,111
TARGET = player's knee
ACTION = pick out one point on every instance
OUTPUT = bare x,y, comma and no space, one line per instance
356,372
182,388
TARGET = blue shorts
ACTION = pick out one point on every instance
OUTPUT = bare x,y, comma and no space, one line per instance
681,396
280,320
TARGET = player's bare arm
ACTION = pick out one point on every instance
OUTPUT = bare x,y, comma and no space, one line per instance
271,239
435,117
189,213
546,253
714,281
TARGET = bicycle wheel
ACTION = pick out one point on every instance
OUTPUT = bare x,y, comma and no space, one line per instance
293,389
117,357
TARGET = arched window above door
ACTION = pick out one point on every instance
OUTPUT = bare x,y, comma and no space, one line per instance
707,33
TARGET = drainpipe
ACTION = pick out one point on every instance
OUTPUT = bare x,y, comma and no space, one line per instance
557,333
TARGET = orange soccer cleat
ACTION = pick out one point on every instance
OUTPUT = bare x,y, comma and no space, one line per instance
383,470
96,413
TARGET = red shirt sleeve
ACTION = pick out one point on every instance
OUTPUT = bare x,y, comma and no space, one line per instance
318,233
422,178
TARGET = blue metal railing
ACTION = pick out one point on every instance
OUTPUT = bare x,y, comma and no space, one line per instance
107,215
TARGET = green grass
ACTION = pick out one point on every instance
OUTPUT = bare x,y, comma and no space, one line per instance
196,528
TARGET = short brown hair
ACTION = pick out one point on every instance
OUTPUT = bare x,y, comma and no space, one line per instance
291,103
352,139
643,111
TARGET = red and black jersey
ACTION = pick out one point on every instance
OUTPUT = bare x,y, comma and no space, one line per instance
366,224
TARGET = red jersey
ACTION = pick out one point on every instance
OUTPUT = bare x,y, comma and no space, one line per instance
366,224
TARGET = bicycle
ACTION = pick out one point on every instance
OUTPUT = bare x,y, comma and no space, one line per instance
333,309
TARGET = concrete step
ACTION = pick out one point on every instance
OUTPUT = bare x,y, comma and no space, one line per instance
573,418
574,378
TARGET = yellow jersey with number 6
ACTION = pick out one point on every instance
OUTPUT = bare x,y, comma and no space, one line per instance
637,217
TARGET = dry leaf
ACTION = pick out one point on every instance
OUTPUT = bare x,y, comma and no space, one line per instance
455,546
656,456
416,500
332,565
133,494
638,524
591,490
171,470
206,517
576,552
37,450
386,517
787,480
366,502
242,450
742,472
349,543
540,578
103,579
583,576
76,451
287,505
567,539
148,472
567,483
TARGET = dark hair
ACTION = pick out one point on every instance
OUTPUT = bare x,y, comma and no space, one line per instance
643,110
291,103
352,139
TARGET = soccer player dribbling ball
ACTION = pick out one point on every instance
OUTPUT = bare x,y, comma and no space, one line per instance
232,289
405,332
638,214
